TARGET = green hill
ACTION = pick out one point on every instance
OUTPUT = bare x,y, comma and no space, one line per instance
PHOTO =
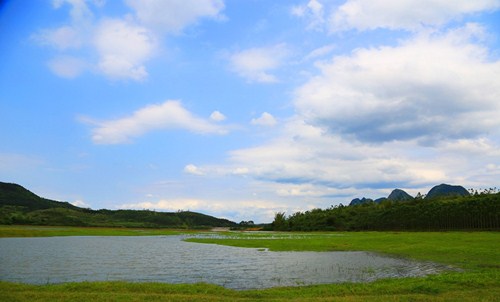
16,195
21,206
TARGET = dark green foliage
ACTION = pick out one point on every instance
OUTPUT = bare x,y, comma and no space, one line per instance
20,206
478,212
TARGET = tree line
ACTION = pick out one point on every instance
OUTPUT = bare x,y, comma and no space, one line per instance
475,212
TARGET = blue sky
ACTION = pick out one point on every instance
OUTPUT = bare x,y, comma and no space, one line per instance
241,109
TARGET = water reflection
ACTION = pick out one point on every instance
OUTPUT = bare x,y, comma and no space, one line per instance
169,259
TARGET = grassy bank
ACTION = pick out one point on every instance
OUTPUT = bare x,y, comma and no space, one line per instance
437,288
476,253
47,231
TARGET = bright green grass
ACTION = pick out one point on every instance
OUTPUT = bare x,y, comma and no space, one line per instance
468,250
477,253
46,231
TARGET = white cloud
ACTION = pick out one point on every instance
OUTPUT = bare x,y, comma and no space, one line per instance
314,167
404,14
482,146
256,64
67,66
266,119
174,15
168,115
217,116
320,52
411,116
304,154
80,203
124,44
429,88
123,48
80,12
73,35
305,168
259,210
313,11
62,38
192,169
299,157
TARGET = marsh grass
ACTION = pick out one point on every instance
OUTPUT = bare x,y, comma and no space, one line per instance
476,254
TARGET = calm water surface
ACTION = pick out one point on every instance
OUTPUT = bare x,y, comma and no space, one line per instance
169,259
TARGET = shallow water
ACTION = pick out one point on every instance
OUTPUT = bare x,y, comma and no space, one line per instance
171,260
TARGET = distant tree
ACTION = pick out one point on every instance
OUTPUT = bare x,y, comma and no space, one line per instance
280,222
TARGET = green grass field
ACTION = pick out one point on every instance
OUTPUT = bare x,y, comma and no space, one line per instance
476,253
48,231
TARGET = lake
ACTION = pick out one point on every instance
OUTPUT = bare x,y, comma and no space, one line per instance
171,260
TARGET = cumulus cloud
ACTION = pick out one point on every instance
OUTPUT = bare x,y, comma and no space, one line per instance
410,116
431,87
217,116
123,48
404,14
256,64
306,155
174,15
124,44
168,115
266,119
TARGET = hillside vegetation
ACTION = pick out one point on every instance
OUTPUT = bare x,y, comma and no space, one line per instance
20,206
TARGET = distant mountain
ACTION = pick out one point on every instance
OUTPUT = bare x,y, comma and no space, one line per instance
396,195
357,201
399,195
444,190
21,206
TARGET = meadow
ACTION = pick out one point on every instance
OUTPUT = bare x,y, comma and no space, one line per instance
50,231
474,255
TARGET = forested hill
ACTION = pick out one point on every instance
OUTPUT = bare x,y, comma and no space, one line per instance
20,206
16,195
447,208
